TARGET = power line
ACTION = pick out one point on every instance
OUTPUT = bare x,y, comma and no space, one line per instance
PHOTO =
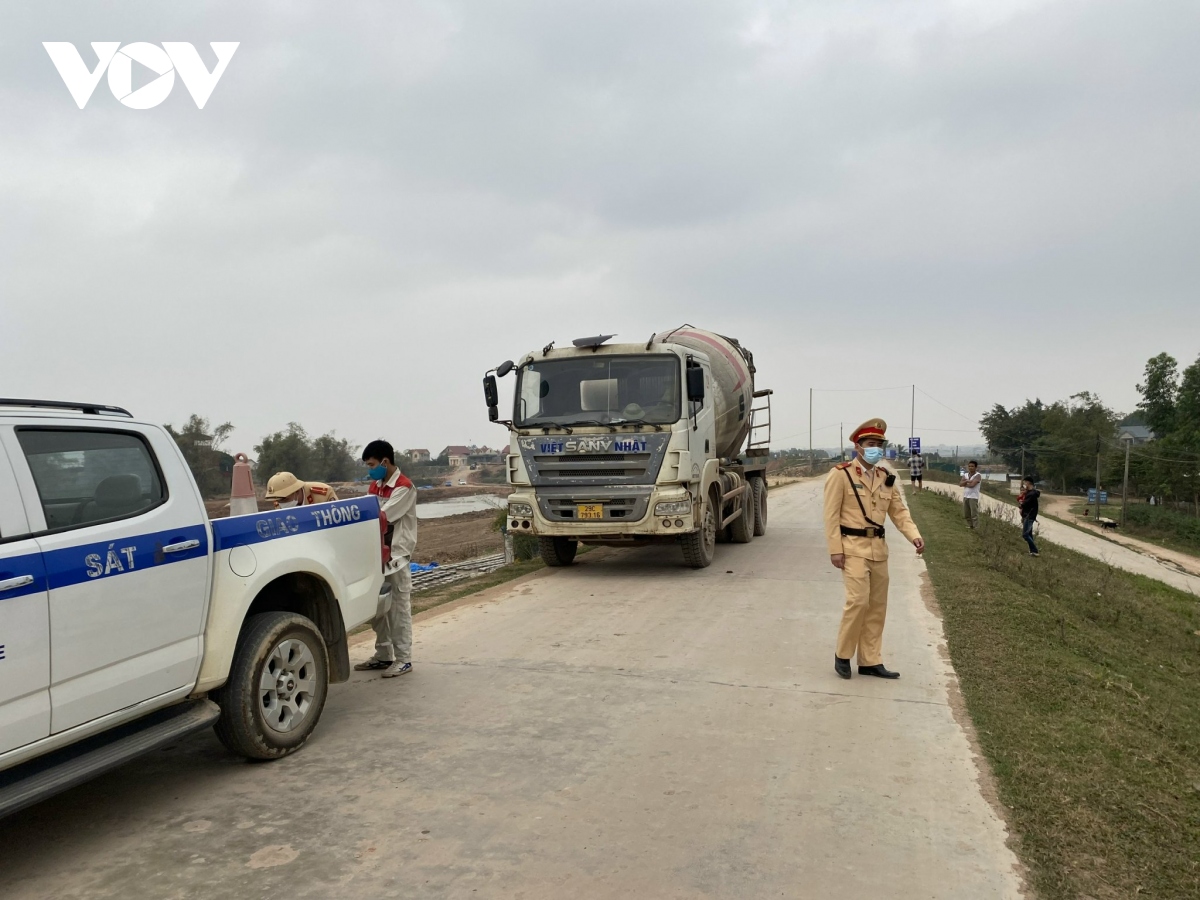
940,403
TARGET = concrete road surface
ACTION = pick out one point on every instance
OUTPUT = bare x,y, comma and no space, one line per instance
625,728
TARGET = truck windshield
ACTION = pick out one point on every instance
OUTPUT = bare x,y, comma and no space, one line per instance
605,390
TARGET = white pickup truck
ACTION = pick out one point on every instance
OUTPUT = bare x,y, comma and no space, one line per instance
128,619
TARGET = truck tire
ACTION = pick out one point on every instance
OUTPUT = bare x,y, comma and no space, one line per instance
276,689
700,546
759,486
741,529
557,551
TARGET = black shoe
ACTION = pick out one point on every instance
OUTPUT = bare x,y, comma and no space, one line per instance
841,666
878,671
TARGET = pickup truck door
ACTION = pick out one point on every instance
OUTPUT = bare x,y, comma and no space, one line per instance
125,541
24,624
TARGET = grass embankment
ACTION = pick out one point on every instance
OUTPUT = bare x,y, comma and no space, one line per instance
1084,685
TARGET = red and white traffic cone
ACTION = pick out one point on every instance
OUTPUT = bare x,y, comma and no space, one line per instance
242,500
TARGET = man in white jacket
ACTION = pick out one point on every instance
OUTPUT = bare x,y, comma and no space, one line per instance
398,525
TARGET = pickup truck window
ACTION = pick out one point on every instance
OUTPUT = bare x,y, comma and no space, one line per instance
85,476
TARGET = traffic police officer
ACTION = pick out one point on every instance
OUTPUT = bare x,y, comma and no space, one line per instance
859,495
288,490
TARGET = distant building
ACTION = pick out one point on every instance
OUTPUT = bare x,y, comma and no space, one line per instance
1138,434
418,456
484,456
457,455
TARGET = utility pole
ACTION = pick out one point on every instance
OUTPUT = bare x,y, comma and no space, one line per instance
1125,486
1097,478
810,450
842,440
912,421
1022,464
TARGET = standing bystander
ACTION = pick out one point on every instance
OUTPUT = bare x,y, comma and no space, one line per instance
916,470
1027,500
398,524
971,491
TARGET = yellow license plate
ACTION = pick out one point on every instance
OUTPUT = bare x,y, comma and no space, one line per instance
591,511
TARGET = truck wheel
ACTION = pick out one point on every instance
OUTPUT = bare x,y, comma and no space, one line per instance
759,486
276,688
557,551
700,546
741,529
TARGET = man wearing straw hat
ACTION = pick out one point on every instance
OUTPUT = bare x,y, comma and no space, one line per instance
288,490
859,495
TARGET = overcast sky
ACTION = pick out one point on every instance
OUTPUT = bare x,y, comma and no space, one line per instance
993,200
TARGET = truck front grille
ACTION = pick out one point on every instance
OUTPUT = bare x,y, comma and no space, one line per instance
621,504
612,465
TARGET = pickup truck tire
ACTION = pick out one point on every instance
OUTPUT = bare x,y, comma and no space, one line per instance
759,486
700,546
557,551
276,689
741,529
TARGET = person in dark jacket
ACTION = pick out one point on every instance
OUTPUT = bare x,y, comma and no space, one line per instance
1028,501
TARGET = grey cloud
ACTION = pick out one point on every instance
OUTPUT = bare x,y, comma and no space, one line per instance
1008,188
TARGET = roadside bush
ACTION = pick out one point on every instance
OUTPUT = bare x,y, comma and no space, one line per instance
1166,523
525,546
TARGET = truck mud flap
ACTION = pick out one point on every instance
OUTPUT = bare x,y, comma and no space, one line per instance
40,778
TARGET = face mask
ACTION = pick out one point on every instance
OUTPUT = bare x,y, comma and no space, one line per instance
377,473
287,505
873,454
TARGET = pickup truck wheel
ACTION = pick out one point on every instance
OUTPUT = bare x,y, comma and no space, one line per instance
759,486
276,689
557,551
741,529
700,546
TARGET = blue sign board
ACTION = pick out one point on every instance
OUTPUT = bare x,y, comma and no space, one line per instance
914,445
1092,496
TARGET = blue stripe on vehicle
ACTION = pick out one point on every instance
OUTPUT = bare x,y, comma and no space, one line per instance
280,523
66,566
20,566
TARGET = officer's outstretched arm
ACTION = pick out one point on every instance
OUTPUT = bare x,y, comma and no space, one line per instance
898,510
833,511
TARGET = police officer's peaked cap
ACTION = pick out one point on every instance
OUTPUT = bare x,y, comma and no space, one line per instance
872,428
283,484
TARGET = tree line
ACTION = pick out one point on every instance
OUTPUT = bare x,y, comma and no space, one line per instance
1062,442
323,458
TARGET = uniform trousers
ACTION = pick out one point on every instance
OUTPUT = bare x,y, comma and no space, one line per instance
393,630
863,616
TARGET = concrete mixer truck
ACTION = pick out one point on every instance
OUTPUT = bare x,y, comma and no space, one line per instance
662,441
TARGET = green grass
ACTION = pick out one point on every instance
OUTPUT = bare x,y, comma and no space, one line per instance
1084,686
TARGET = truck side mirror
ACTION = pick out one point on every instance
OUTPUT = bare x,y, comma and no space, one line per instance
695,383
504,368
491,393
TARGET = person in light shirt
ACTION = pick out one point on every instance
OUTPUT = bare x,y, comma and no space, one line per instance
398,530
970,484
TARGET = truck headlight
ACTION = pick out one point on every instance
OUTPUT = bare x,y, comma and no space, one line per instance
520,509
673,508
